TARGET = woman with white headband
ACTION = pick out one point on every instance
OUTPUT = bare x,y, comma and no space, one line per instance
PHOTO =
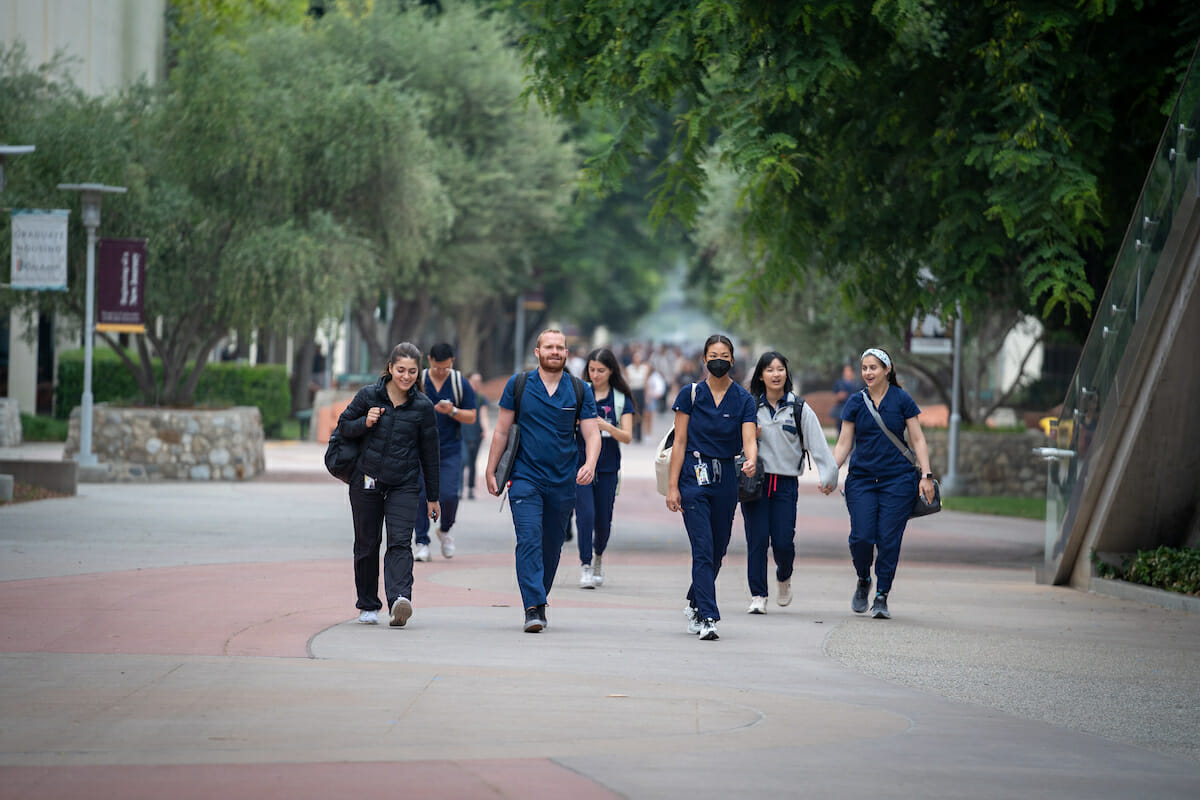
881,485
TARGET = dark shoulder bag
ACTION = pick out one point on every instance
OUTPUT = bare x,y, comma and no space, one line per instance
922,507
341,456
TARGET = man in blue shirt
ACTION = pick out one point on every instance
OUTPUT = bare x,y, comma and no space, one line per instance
541,488
454,400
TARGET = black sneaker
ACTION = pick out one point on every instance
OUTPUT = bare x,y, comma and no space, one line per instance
533,620
542,615
880,610
859,604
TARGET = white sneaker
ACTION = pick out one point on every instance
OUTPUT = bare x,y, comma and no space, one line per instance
597,570
368,618
401,611
758,605
708,630
785,592
693,617
586,579
421,553
447,544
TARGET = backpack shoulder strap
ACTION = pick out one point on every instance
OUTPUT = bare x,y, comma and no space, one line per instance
618,404
579,391
456,378
518,390
424,378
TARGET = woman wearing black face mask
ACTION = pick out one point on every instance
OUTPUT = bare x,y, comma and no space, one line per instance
715,420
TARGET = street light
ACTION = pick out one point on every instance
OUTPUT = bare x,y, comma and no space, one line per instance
92,193
12,150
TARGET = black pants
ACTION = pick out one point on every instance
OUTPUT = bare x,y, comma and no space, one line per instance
470,456
371,507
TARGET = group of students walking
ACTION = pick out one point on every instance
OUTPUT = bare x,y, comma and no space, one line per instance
568,458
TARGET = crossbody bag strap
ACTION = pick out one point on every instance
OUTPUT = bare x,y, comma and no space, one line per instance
908,453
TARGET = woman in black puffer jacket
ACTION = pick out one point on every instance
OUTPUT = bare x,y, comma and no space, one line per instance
398,431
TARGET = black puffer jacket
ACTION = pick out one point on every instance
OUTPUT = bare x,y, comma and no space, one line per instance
402,444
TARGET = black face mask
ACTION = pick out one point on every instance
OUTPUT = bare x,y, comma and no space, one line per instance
717,367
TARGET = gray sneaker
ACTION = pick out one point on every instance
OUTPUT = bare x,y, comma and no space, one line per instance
693,618
880,610
859,604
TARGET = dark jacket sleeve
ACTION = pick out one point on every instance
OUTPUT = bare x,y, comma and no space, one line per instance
352,423
430,451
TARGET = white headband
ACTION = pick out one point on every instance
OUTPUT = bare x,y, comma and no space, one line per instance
875,351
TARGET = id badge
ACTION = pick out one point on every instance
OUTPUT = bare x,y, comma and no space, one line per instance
702,474
368,482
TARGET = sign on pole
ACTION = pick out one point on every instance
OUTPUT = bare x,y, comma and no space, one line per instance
39,249
121,286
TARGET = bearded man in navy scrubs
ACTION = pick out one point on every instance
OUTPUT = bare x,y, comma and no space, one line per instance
541,489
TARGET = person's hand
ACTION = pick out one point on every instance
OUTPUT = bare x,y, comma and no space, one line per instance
926,489
373,415
826,490
585,475
435,509
674,501
444,406
749,467
492,487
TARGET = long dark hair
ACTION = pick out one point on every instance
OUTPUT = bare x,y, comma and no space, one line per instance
758,387
403,350
891,371
616,380
714,339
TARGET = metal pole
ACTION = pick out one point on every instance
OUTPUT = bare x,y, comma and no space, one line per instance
951,477
86,457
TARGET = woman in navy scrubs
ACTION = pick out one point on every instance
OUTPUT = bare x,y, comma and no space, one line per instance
882,485
711,428
594,502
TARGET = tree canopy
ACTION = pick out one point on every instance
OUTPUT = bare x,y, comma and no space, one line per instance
996,146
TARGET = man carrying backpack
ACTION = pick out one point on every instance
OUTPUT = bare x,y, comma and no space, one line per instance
454,400
541,486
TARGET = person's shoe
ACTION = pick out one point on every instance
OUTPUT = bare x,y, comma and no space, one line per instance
879,609
708,629
758,605
421,553
693,617
447,544
471,493
586,577
401,611
542,616
859,604
785,593
368,618
598,570
533,620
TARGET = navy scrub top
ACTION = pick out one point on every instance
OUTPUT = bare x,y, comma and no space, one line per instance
547,455
874,454
610,448
449,428
716,432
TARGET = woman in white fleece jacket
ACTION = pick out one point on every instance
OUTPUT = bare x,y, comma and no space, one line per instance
787,429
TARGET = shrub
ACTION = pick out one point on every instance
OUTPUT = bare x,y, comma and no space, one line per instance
1173,569
221,384
43,429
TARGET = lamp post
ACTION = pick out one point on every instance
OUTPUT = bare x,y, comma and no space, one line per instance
92,193
12,150
950,481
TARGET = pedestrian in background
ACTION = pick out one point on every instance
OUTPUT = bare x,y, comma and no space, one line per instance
594,501
475,433
788,430
881,485
541,489
712,425
396,425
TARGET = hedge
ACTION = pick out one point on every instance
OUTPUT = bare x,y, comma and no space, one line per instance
1173,569
221,384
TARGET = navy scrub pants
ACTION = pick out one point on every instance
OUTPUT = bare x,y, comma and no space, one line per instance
771,521
593,514
708,516
450,479
879,509
540,516
370,508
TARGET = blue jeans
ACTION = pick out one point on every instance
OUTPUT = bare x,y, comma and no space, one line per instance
771,521
879,510
450,479
593,514
708,516
540,516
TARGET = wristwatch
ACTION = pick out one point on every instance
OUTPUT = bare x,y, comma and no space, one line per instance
453,411
929,475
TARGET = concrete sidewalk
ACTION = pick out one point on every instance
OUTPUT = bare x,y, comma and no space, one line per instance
198,640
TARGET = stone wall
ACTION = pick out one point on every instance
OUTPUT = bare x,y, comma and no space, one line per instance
185,444
992,464
10,422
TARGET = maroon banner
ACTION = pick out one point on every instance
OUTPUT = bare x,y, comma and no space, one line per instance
120,285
